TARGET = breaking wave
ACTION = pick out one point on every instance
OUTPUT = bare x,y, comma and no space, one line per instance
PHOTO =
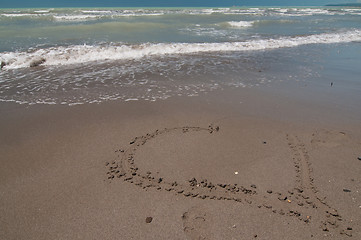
85,53
241,24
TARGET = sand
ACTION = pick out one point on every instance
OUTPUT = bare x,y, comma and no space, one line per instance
232,164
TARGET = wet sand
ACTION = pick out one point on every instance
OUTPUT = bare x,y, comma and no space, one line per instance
233,164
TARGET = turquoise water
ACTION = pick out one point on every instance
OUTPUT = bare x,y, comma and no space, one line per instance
84,55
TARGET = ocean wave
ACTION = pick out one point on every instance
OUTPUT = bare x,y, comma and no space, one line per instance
79,14
75,17
241,24
97,11
137,14
19,15
41,11
85,53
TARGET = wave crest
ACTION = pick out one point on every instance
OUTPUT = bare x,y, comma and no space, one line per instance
85,53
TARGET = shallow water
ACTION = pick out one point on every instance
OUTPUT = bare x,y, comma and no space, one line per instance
95,55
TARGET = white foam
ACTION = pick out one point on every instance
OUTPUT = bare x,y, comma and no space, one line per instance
73,104
96,11
74,17
18,14
76,14
137,14
85,53
131,99
41,11
241,24
207,11
313,11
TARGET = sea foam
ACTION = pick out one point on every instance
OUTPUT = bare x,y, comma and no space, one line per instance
241,24
75,17
85,53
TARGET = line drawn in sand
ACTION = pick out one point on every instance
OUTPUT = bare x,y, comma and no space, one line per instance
303,202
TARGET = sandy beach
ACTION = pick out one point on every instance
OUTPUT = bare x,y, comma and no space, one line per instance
232,164
171,121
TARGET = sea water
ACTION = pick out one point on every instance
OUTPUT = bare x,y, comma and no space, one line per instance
79,55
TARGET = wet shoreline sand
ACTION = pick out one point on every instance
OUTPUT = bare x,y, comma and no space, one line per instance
232,164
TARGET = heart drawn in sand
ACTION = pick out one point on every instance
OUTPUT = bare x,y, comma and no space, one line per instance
303,201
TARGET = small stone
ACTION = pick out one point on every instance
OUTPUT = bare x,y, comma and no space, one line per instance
3,64
148,219
37,62
210,185
359,158
264,142
269,191
346,190
160,180
349,228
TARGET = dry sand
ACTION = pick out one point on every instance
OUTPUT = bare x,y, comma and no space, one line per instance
233,164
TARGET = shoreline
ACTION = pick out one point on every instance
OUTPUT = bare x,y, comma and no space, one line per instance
55,159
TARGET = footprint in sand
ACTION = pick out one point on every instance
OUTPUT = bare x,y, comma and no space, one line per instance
329,139
195,223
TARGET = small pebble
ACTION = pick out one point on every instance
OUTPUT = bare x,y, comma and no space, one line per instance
269,191
346,190
359,158
148,219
